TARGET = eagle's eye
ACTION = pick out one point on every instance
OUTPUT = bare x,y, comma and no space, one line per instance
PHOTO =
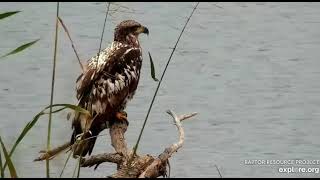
134,28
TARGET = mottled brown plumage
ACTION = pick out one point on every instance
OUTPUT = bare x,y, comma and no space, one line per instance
108,83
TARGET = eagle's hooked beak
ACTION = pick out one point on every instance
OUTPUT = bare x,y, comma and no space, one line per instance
146,31
143,29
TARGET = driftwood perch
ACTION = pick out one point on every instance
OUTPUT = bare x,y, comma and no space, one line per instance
144,166
128,165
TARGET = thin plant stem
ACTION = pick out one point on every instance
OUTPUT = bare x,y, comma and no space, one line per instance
65,164
79,164
1,169
164,71
72,44
74,171
52,90
104,26
218,170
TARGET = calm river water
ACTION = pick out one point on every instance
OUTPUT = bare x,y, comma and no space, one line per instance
251,70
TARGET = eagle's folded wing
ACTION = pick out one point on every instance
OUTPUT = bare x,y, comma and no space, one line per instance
110,80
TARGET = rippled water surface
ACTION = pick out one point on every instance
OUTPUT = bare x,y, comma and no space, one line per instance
251,70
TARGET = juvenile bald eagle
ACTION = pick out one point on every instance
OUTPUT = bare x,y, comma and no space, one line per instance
108,83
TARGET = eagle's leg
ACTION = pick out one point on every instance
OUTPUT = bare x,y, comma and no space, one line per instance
122,116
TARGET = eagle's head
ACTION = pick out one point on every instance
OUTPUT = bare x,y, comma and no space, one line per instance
128,31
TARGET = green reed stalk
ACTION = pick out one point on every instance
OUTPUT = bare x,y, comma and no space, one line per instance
52,90
1,169
104,26
164,71
65,163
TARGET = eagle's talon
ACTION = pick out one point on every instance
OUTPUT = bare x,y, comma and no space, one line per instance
90,133
122,116
78,137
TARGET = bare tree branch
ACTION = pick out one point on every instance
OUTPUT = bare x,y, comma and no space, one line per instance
118,140
52,153
134,169
187,116
145,166
156,168
100,158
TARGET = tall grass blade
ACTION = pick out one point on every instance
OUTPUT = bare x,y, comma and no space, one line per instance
52,89
70,106
36,118
20,48
152,68
26,130
12,170
7,14
104,26
65,164
1,167
74,171
163,73
72,44
218,170
79,163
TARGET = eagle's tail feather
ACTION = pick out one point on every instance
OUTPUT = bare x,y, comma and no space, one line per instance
84,145
83,142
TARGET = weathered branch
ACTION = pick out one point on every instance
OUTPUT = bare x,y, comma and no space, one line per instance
134,169
100,158
52,153
117,131
140,166
186,116
118,140
144,166
156,168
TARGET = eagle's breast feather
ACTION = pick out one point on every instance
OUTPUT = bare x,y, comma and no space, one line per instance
111,78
